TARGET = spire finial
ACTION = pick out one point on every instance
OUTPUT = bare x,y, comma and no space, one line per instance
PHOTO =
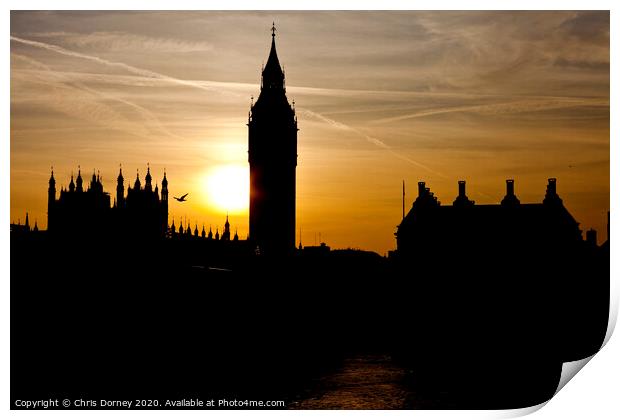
273,29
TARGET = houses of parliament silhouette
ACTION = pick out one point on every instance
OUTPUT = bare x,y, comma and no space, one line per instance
141,213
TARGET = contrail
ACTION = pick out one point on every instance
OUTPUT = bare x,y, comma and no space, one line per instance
118,64
146,114
159,76
512,107
370,139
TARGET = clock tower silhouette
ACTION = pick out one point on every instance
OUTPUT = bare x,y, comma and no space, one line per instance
272,153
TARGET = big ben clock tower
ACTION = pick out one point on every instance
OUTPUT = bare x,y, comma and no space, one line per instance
272,140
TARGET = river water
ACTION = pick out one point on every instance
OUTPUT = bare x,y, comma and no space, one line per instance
367,381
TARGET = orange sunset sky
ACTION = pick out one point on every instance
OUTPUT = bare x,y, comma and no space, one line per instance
381,97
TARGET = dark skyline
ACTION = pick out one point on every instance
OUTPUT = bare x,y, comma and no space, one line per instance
420,96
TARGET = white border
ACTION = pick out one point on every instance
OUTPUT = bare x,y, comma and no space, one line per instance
593,394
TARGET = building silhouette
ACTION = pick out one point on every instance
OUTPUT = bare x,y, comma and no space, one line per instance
18,228
142,212
429,225
187,233
272,140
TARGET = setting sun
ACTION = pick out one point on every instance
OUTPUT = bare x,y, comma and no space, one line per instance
227,188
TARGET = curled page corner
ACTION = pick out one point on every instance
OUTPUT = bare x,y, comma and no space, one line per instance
520,412
570,369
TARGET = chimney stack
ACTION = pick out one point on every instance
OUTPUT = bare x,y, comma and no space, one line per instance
461,188
461,199
421,188
510,199
510,187
551,186
551,196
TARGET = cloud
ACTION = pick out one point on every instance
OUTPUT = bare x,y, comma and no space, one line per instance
588,26
123,42
511,107
102,113
373,140
73,98
117,64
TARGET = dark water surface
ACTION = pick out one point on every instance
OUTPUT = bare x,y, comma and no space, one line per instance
367,381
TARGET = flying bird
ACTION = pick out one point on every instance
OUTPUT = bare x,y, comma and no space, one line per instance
182,198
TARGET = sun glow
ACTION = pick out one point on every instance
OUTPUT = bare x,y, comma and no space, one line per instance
228,188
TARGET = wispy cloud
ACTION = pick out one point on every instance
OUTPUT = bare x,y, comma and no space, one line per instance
123,42
76,99
149,74
511,107
373,140
116,64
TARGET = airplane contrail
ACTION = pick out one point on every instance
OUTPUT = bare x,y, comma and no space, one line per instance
511,107
377,142
155,75
60,80
118,64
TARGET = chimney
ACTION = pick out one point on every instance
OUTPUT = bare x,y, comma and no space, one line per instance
510,187
551,196
591,237
421,188
461,188
551,187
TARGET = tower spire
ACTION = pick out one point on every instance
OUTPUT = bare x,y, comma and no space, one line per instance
51,200
148,178
72,184
273,76
78,181
136,185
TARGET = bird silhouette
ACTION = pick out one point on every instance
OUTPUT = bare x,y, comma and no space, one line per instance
182,198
